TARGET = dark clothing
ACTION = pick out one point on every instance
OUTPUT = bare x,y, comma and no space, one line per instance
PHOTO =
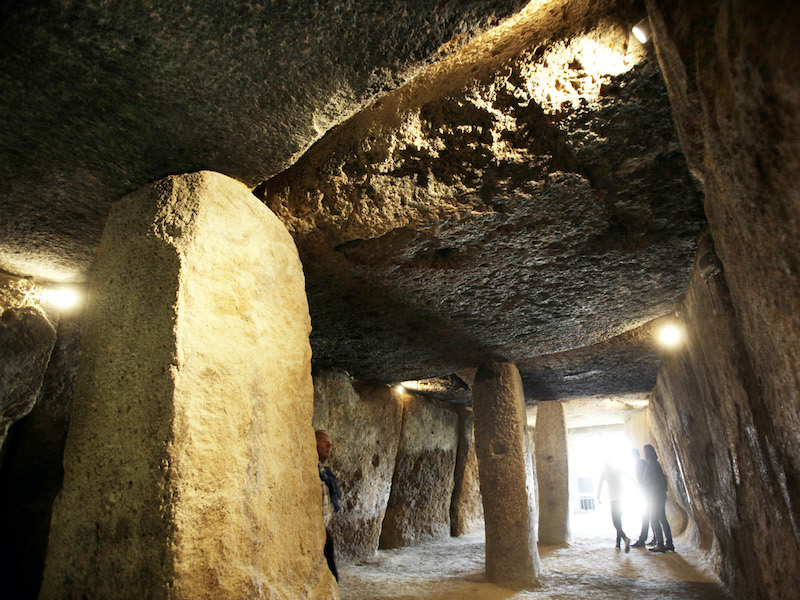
330,493
616,518
655,485
327,476
329,554
641,467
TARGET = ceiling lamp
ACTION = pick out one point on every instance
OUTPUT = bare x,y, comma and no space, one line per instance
642,30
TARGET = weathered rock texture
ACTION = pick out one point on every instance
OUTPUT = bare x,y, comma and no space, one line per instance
622,365
717,436
97,99
190,462
731,68
526,197
27,337
552,473
506,474
364,426
32,471
466,507
422,486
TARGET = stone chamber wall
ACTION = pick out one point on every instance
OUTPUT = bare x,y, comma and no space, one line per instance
396,457
727,403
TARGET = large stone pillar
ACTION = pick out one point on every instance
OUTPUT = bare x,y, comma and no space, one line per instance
506,474
190,461
553,473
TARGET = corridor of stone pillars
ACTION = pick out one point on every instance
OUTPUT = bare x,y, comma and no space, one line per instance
445,233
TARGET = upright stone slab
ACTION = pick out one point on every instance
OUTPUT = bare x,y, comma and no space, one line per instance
553,473
422,485
506,474
466,508
190,462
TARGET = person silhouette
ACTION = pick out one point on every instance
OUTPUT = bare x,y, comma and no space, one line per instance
613,476
655,485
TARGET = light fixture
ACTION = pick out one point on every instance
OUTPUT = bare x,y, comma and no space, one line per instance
400,389
670,335
63,297
642,30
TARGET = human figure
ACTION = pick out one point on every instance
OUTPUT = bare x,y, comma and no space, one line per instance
641,467
331,495
655,485
613,476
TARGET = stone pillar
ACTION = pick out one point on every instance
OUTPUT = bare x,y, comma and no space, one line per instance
466,508
506,474
553,473
189,470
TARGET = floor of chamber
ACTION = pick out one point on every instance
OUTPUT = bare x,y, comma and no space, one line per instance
588,569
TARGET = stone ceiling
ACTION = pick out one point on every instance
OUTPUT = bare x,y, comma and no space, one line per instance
466,181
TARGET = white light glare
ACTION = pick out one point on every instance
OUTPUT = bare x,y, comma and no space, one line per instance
642,30
670,335
400,389
63,297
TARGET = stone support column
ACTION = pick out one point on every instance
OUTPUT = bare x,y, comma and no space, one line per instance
506,474
553,473
190,460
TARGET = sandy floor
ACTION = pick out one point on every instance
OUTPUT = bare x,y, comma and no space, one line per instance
590,568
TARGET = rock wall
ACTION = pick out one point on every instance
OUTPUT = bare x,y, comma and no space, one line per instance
32,469
713,426
552,473
466,507
189,466
731,71
27,336
422,486
364,426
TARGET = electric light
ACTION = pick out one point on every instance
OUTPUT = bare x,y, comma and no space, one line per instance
62,297
642,30
670,335
400,389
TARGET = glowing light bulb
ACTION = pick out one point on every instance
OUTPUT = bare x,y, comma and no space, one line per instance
400,389
642,30
670,335
63,297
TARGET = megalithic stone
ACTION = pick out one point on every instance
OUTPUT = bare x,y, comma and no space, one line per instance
190,466
506,474
553,473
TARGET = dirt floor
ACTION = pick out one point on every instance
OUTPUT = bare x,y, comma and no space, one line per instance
590,568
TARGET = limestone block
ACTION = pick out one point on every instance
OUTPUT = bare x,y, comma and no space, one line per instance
32,472
422,486
364,425
506,474
466,507
190,463
552,472
26,341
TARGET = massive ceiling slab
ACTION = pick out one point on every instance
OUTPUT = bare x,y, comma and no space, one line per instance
524,197
99,98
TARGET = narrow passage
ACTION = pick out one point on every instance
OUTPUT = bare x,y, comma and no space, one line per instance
589,569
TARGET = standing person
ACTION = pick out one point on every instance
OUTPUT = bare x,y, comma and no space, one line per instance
613,476
656,487
641,467
331,495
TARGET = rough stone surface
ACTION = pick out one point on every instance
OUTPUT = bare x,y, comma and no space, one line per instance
466,507
364,425
189,470
422,486
506,473
552,473
710,413
27,338
97,99
524,198
623,365
731,68
32,471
